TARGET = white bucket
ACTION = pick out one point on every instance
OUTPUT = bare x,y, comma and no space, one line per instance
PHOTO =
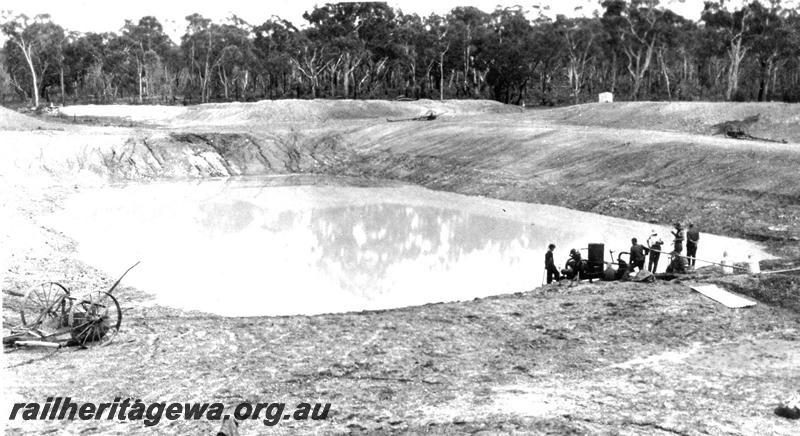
752,265
727,268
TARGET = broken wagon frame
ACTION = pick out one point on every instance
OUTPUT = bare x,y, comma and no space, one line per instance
51,316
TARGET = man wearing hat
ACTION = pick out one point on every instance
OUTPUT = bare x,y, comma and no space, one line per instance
692,236
678,234
654,243
550,266
574,267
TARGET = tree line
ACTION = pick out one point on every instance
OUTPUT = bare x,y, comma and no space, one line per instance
636,49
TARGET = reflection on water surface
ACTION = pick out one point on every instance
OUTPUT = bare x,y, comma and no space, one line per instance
261,247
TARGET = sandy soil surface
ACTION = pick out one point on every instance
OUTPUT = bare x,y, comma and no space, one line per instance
281,111
601,358
775,121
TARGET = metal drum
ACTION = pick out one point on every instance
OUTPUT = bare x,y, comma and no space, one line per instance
594,267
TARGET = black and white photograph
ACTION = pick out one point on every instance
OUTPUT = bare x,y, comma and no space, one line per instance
553,217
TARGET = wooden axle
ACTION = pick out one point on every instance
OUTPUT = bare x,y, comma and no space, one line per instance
38,344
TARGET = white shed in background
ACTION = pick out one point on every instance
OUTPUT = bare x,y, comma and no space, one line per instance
606,97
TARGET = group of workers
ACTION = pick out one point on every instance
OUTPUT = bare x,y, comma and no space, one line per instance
637,256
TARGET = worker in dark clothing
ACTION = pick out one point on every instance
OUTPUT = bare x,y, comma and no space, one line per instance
678,234
655,244
692,236
574,265
637,255
623,271
550,266
676,264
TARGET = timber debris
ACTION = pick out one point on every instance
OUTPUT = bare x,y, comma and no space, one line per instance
52,316
429,116
739,129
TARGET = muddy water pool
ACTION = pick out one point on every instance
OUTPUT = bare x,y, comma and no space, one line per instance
283,246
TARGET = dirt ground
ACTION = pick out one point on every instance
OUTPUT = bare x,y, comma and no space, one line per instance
599,358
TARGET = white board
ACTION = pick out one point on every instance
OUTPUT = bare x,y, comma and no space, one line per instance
720,295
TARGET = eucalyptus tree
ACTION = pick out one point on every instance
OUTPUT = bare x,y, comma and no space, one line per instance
773,42
437,30
468,26
274,41
205,46
354,36
35,44
334,31
145,43
614,25
637,25
508,54
6,85
579,37
310,59
82,54
411,40
735,31
670,31
236,56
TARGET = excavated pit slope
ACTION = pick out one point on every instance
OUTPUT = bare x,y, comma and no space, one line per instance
525,363
737,188
775,121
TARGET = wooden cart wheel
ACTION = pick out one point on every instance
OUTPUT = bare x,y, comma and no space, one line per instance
94,319
45,305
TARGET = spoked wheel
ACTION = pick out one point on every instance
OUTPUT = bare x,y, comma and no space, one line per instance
94,319
45,306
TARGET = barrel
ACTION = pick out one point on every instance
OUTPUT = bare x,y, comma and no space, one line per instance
595,266
596,253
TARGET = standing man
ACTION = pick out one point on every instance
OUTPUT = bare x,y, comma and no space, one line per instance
637,255
692,236
678,234
655,251
550,266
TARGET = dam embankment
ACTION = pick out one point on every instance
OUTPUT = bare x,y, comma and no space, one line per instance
738,188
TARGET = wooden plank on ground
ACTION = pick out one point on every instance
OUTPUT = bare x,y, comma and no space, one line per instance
720,295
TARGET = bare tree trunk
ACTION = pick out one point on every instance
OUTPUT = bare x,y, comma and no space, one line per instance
245,82
572,76
736,54
766,72
774,77
641,66
346,79
467,60
613,72
204,84
429,79
139,70
452,79
441,76
664,71
633,72
63,91
27,53
224,79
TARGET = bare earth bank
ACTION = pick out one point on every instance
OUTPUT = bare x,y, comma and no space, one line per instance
607,358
